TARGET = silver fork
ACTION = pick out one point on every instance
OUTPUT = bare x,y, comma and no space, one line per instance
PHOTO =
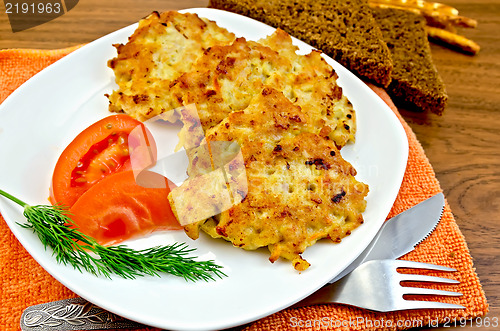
376,285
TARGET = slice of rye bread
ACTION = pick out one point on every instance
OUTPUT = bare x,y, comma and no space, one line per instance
416,84
343,29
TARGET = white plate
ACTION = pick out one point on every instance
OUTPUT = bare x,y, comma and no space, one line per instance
41,117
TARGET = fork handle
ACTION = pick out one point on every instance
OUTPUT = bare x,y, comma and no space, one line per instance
72,314
329,293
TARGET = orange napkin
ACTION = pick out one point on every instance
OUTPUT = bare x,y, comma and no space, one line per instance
24,282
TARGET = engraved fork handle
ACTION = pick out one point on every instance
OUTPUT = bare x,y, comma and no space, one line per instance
72,314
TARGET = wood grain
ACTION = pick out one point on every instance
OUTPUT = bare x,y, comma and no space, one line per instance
87,21
463,145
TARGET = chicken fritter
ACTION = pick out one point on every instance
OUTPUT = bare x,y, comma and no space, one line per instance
162,48
299,188
227,77
262,126
174,60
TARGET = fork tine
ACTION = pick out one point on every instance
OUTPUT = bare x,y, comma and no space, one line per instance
427,279
428,291
376,285
429,305
421,265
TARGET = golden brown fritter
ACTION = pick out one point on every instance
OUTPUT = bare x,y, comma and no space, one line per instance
227,77
262,126
274,116
299,188
162,48
176,59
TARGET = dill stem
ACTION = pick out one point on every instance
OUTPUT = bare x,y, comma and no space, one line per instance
13,198
52,224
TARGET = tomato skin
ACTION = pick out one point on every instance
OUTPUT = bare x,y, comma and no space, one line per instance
97,152
117,208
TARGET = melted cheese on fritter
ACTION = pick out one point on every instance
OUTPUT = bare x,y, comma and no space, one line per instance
300,189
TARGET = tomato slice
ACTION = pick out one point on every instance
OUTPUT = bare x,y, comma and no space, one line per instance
97,152
117,208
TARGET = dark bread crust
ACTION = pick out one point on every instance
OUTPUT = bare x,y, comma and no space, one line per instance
416,84
342,29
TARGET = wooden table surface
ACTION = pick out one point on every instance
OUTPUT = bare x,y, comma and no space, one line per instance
463,145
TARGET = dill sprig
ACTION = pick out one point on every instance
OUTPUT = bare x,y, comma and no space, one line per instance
55,229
